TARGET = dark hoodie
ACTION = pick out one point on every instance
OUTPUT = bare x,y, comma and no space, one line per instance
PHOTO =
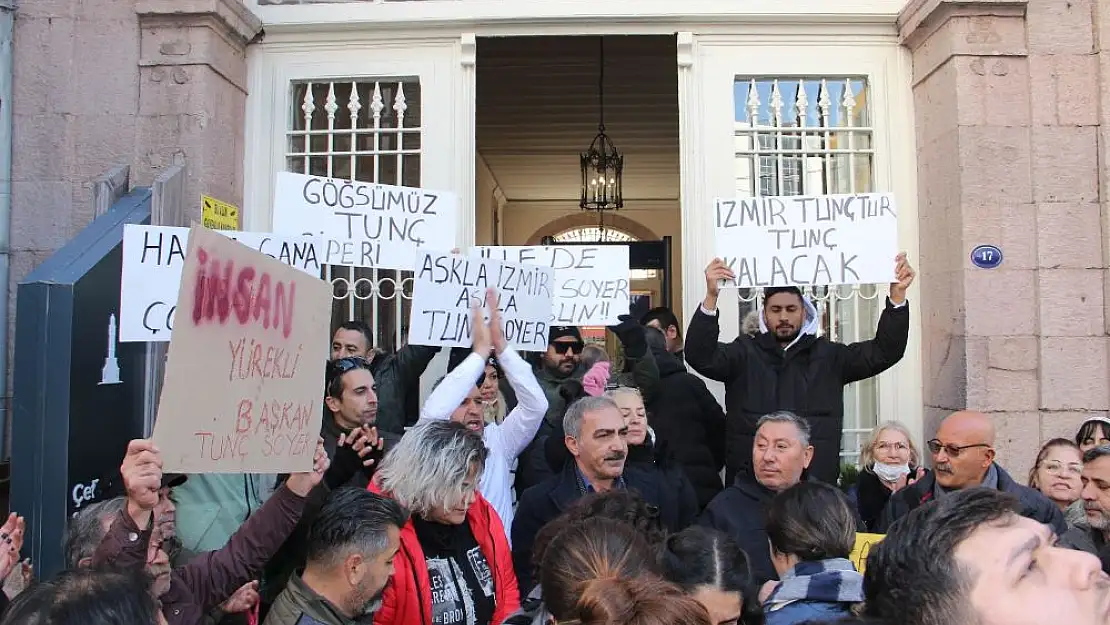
689,422
740,511
807,378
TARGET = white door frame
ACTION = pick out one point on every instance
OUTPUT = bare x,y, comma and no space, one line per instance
708,67
714,37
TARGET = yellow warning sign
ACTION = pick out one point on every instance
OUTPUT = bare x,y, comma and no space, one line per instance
219,215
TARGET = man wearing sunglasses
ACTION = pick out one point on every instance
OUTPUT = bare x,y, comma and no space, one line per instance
963,458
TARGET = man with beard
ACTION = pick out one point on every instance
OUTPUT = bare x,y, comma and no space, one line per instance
562,362
351,547
787,366
1091,536
457,398
398,374
595,437
963,458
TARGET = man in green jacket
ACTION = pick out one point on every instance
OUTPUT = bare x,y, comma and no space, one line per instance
351,547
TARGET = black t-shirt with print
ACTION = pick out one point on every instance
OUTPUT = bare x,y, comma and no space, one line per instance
460,576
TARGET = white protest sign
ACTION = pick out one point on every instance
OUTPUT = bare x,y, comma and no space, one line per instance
808,240
363,224
446,284
591,281
243,376
153,257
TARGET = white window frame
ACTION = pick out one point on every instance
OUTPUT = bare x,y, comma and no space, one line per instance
445,163
709,66
445,69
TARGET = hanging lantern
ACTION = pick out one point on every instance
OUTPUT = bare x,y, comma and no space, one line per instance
602,164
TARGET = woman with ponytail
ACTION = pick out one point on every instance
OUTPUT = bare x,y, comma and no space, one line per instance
600,572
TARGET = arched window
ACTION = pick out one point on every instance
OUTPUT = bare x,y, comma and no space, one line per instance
594,234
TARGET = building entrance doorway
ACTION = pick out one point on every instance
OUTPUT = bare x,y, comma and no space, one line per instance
537,110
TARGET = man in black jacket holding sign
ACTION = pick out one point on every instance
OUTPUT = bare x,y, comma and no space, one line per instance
788,367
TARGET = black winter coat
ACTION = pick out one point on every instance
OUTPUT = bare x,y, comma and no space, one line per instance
532,467
543,502
1034,505
395,376
740,512
808,379
690,423
871,497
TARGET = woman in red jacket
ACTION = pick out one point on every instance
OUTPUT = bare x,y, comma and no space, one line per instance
455,566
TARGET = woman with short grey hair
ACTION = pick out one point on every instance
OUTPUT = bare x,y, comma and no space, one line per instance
454,542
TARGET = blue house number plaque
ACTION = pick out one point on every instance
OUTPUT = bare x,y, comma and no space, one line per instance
986,257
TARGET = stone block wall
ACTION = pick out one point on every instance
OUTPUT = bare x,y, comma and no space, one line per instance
1007,96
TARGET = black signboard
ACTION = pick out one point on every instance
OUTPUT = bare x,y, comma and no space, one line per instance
78,392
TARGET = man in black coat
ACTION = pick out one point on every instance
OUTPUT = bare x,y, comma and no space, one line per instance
781,454
788,367
963,458
688,421
397,375
595,437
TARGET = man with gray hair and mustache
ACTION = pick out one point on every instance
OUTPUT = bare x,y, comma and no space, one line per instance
963,457
1092,535
595,435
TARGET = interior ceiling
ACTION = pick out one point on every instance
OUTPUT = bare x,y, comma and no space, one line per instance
537,110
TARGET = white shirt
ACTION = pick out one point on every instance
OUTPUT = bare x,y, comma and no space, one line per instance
505,441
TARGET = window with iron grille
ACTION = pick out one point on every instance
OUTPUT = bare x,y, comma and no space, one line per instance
367,130
813,136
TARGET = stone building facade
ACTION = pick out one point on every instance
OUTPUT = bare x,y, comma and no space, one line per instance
988,121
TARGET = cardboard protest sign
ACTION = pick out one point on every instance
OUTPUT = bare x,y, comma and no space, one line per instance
864,543
445,286
808,240
591,281
245,376
152,260
363,224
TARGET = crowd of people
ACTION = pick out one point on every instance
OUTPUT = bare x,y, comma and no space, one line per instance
582,487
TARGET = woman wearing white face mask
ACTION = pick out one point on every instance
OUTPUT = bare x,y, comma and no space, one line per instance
889,460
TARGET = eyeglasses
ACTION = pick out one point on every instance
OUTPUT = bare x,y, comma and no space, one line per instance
562,347
884,446
953,451
1059,468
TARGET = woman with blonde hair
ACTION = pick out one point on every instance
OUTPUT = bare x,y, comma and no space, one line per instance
889,461
1057,473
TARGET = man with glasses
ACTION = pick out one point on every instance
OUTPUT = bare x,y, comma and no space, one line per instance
1091,536
963,457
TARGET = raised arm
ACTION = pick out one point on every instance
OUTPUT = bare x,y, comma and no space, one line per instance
216,575
865,359
704,353
521,424
453,389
